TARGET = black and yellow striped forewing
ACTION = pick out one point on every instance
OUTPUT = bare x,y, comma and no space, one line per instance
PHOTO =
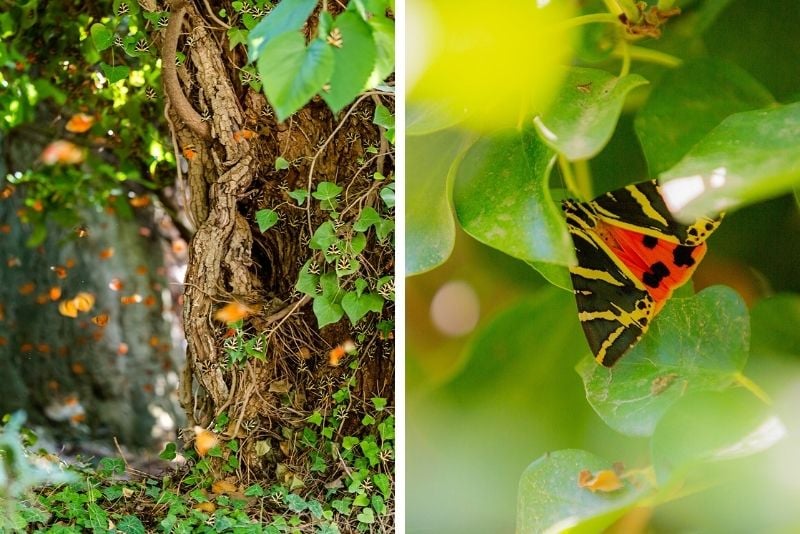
620,291
614,308
640,207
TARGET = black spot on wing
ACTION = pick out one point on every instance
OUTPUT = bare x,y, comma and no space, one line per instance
649,241
658,271
682,256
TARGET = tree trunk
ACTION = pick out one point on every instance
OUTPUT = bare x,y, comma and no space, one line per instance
229,177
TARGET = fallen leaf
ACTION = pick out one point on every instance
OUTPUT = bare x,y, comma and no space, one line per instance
207,507
221,487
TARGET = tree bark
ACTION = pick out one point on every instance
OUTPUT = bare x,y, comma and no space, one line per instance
228,179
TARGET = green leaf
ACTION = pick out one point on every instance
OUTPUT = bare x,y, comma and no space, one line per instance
357,306
384,118
352,266
689,102
383,228
710,427
749,157
358,243
581,120
237,36
287,16
387,194
281,164
102,37
327,191
379,403
383,34
381,482
300,195
293,73
502,198
307,282
254,491
130,524
330,286
266,219
430,229
694,344
169,452
366,516
115,74
323,237
326,311
366,218
550,499
354,60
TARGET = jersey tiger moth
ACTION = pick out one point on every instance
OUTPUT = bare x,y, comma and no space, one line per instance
632,254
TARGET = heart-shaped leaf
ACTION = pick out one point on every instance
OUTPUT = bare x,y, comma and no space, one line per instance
357,306
687,103
749,157
551,499
115,74
581,120
502,198
694,344
293,73
354,60
326,311
287,16
102,37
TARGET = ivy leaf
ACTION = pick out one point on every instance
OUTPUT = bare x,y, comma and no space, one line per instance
550,499
102,37
115,74
354,60
130,524
689,102
694,344
581,120
749,157
705,428
266,219
327,191
357,306
326,311
358,243
367,218
387,195
287,16
384,118
383,34
323,237
169,452
293,73
502,198
281,164
300,195
237,36
307,282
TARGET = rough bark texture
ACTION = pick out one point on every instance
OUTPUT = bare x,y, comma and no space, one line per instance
227,181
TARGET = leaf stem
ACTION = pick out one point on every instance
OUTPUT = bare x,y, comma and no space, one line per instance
569,177
648,55
625,52
607,18
583,175
752,387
